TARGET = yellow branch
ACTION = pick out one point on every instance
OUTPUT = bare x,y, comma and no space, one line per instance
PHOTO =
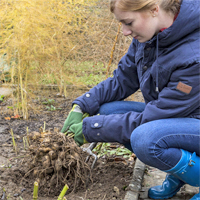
112,51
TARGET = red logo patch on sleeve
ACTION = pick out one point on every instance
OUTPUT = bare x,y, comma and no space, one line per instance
184,87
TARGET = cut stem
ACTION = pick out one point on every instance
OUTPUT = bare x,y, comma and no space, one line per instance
24,143
44,127
26,140
13,139
62,194
35,191
28,136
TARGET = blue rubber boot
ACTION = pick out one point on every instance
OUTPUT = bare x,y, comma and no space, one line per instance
169,188
187,170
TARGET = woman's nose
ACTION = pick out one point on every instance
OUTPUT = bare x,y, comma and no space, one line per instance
126,30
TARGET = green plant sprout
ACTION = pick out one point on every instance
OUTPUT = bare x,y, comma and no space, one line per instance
10,107
105,149
1,97
51,108
49,102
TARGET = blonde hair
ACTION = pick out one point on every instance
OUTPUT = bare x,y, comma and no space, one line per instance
172,6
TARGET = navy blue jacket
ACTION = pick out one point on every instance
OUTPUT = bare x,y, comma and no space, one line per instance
169,61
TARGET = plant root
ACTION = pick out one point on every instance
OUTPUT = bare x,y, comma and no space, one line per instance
56,160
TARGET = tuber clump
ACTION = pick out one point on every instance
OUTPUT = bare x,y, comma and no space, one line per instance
55,160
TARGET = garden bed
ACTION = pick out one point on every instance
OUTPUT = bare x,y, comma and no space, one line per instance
109,178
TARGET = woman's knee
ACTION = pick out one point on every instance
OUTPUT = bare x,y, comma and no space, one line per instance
120,107
158,143
142,141
107,109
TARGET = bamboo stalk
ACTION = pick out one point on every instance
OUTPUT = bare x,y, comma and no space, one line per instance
65,90
25,97
35,191
13,139
21,85
62,194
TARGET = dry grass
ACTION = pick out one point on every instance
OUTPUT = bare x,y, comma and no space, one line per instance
58,42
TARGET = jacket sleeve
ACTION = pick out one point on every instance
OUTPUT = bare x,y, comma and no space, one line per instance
123,83
172,102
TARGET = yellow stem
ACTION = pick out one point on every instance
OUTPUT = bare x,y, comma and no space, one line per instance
26,140
44,127
28,137
24,143
35,191
62,194
13,139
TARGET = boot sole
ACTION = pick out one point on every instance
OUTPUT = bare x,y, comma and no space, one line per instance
164,197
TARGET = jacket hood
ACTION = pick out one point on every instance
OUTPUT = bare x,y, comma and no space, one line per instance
188,20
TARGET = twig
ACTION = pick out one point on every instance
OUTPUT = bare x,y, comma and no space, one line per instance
104,197
24,143
44,127
18,157
112,51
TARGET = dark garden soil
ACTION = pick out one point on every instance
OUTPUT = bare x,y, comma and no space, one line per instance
109,178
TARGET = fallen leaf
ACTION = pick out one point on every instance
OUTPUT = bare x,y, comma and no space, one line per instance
7,118
112,146
116,189
16,117
117,159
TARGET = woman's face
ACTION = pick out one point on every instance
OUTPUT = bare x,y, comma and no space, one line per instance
140,25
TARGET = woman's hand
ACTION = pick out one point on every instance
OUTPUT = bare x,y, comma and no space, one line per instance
75,116
76,132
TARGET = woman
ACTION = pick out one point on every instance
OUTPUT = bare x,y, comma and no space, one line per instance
163,61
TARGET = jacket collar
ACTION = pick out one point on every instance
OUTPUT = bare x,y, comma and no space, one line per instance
186,22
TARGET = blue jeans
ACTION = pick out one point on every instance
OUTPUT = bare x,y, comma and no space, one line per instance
158,143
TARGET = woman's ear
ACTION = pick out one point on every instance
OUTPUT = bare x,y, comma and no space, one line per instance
155,10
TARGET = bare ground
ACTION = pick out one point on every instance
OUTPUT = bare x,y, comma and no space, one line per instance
110,177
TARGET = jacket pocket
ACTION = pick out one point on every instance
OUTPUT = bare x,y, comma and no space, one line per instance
97,122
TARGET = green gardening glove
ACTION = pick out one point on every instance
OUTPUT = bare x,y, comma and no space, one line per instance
76,129
75,116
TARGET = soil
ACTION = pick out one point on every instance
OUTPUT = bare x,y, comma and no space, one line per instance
109,178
